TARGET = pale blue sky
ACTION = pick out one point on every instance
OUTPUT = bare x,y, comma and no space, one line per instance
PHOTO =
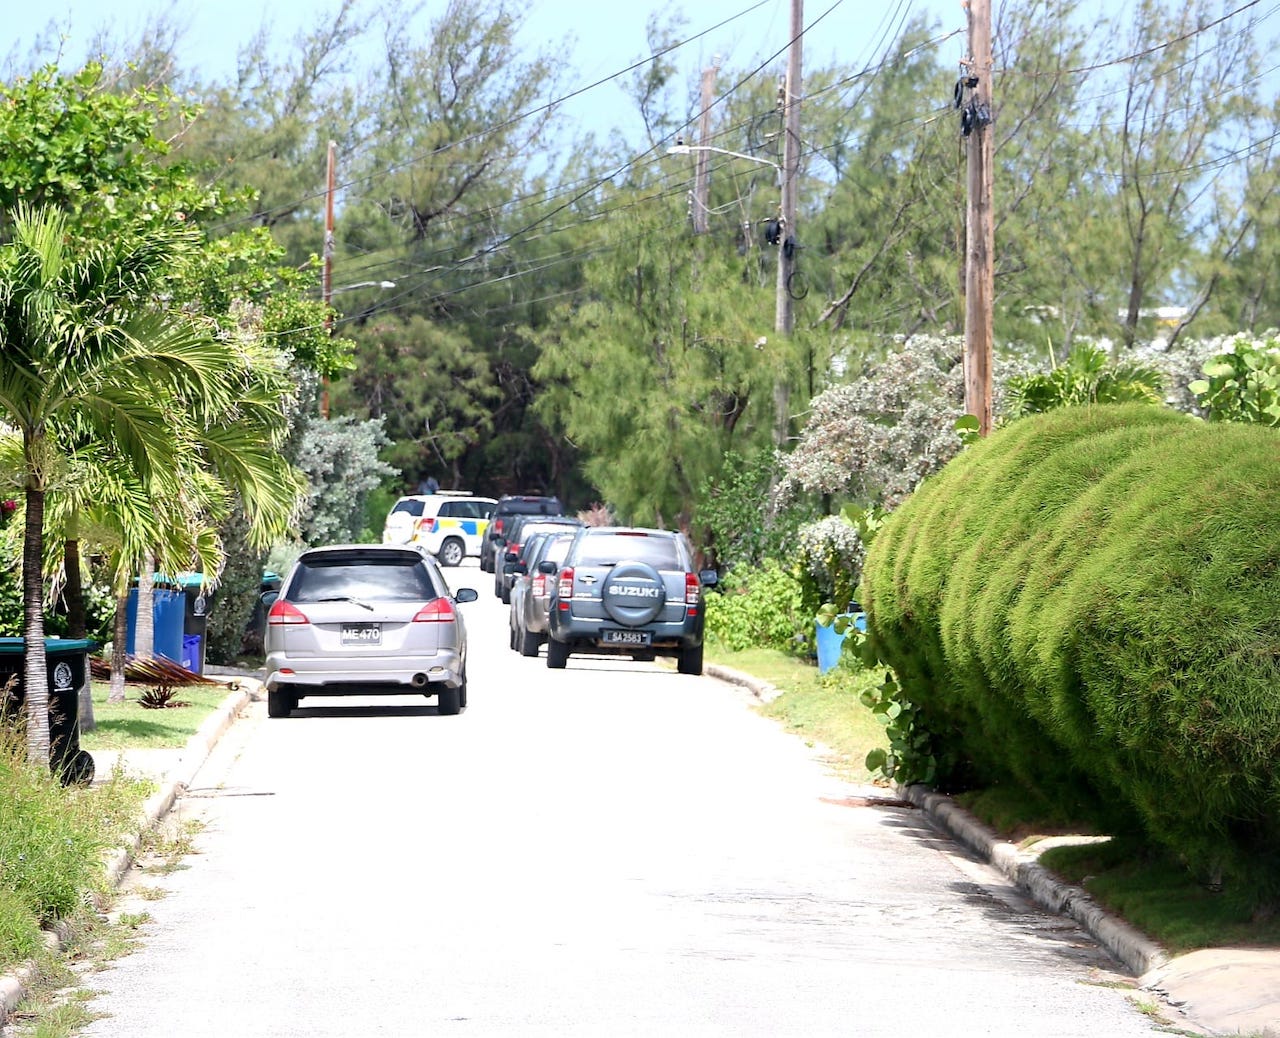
609,36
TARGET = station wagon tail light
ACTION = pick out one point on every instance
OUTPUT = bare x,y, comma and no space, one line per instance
282,612
692,590
438,610
564,587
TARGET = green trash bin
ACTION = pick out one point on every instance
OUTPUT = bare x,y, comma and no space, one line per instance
67,662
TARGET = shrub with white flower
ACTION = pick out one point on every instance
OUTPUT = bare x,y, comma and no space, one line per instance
873,439
830,554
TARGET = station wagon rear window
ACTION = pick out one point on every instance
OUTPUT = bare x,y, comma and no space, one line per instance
392,578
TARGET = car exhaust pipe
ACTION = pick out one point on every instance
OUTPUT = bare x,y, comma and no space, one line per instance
419,681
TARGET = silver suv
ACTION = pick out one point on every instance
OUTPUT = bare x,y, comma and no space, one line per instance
630,591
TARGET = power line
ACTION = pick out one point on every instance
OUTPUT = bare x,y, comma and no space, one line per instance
1137,54
547,107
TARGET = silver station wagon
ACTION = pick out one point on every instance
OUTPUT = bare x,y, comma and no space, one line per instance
366,619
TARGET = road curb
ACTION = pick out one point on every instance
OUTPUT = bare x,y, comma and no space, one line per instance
1133,949
762,690
13,987
194,754
1137,952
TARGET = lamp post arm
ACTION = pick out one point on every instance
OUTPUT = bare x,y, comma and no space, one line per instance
689,149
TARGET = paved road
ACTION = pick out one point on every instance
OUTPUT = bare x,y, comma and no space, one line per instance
613,849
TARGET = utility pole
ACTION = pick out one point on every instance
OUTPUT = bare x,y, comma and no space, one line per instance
701,190
784,322
327,277
979,277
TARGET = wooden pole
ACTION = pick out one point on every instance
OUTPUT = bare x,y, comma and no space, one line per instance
784,319
327,282
701,180
979,282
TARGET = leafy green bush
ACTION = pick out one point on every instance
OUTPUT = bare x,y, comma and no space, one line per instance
760,607
11,602
1087,376
1087,602
742,529
1243,383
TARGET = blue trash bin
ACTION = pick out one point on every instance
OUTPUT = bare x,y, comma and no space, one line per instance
168,609
191,658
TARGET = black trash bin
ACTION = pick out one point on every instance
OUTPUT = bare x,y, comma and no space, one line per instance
67,661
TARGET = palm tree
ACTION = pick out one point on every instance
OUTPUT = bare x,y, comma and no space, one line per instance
84,338
172,523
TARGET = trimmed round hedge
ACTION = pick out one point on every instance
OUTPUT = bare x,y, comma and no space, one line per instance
1089,600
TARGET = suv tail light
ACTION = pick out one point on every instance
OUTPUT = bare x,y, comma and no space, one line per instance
282,612
438,610
426,524
564,587
538,586
692,590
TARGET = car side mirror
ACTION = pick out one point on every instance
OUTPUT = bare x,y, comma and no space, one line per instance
269,597
466,594
546,566
709,577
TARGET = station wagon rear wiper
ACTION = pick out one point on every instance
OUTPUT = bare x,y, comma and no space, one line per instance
347,598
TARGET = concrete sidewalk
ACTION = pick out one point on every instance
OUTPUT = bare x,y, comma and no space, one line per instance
172,770
1220,991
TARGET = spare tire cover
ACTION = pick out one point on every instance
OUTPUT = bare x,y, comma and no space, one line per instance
633,593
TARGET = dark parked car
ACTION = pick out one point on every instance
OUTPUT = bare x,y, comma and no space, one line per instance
530,593
511,505
361,619
523,527
627,590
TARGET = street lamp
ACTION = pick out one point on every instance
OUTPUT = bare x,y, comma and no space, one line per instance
783,313
689,149
364,284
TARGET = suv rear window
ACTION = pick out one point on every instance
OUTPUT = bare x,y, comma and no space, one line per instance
608,549
411,505
389,578
530,506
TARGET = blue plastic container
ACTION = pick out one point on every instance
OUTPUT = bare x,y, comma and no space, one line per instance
830,644
191,658
168,609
